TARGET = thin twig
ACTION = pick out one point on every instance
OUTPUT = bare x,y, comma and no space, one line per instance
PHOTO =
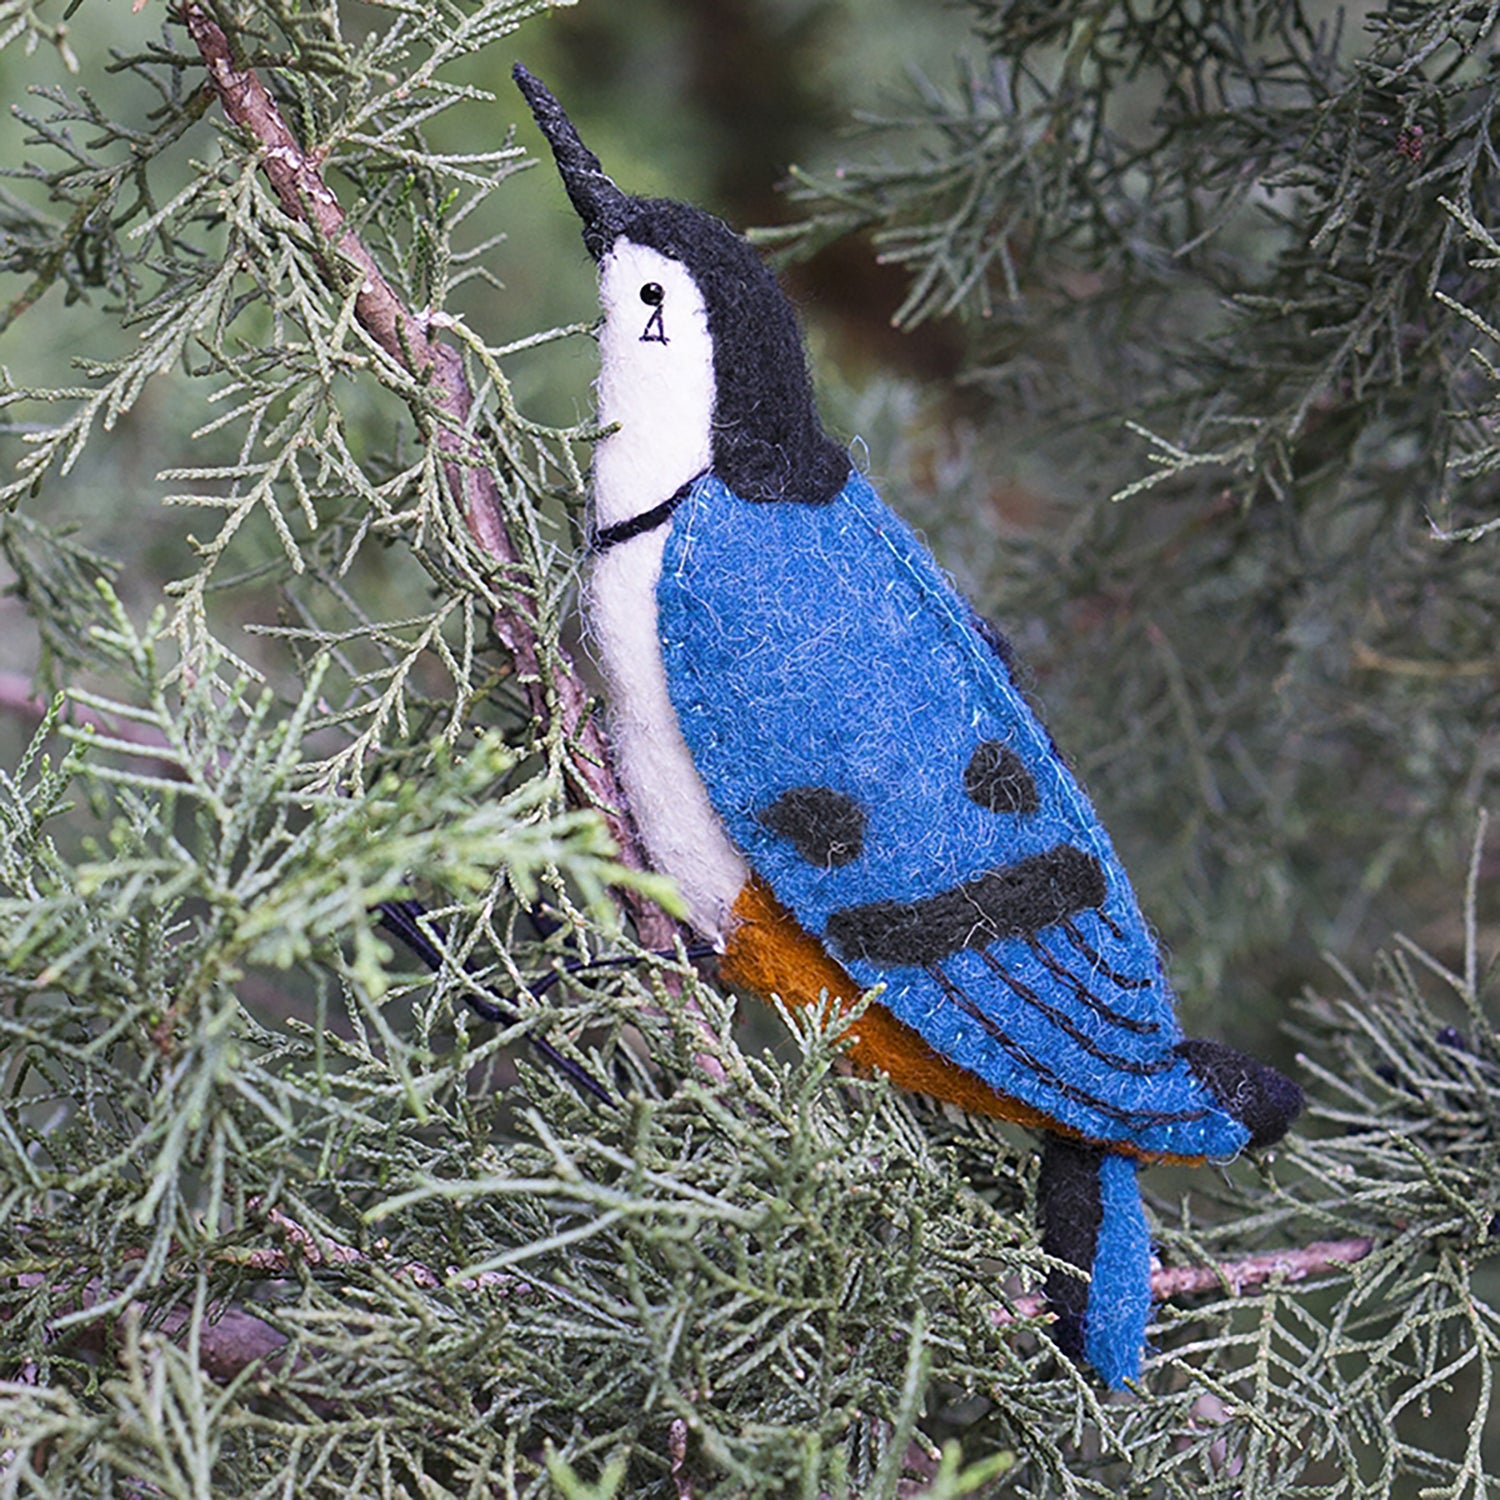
1256,1270
1234,1276
319,1250
67,244
677,1444
297,181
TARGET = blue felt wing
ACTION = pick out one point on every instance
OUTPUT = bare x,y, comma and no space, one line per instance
859,733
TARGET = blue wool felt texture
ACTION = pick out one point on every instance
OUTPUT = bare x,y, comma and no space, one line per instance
817,649
1119,1305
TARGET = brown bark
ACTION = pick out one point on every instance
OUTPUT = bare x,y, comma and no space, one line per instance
1234,1276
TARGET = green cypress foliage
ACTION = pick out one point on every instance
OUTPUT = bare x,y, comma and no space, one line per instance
280,1215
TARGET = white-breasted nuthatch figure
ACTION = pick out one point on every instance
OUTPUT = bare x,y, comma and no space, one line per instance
824,745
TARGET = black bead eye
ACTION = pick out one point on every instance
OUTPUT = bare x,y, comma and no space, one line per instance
652,294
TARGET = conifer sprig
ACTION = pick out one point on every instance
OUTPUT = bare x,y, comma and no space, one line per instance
274,1217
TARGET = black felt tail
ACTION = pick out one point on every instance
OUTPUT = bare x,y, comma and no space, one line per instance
1069,1207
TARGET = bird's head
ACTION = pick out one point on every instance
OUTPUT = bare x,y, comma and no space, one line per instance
700,349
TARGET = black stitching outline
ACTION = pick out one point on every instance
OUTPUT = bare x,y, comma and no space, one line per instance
1134,1118
648,520
1101,1008
1098,961
654,321
1061,1020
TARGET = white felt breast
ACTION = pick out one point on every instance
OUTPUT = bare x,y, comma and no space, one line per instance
682,833
660,390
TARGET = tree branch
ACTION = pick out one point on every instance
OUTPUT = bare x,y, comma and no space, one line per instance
1237,1276
317,1251
232,1339
1234,1276
559,695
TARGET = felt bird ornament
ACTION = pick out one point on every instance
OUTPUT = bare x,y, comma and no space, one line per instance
824,745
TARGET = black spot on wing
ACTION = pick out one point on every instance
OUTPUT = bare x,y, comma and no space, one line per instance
997,780
827,828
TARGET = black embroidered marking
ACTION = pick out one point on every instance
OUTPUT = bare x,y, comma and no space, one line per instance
1064,1023
648,520
1069,1208
1012,901
1264,1101
1134,1119
656,332
1114,927
1097,960
997,780
826,827
1084,994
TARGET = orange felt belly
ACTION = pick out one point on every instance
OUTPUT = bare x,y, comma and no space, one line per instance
768,953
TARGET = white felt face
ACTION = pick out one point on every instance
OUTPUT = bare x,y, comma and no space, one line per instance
656,379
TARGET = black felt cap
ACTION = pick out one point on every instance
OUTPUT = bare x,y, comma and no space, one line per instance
767,441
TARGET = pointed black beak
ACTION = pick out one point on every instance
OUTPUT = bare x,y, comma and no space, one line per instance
600,204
